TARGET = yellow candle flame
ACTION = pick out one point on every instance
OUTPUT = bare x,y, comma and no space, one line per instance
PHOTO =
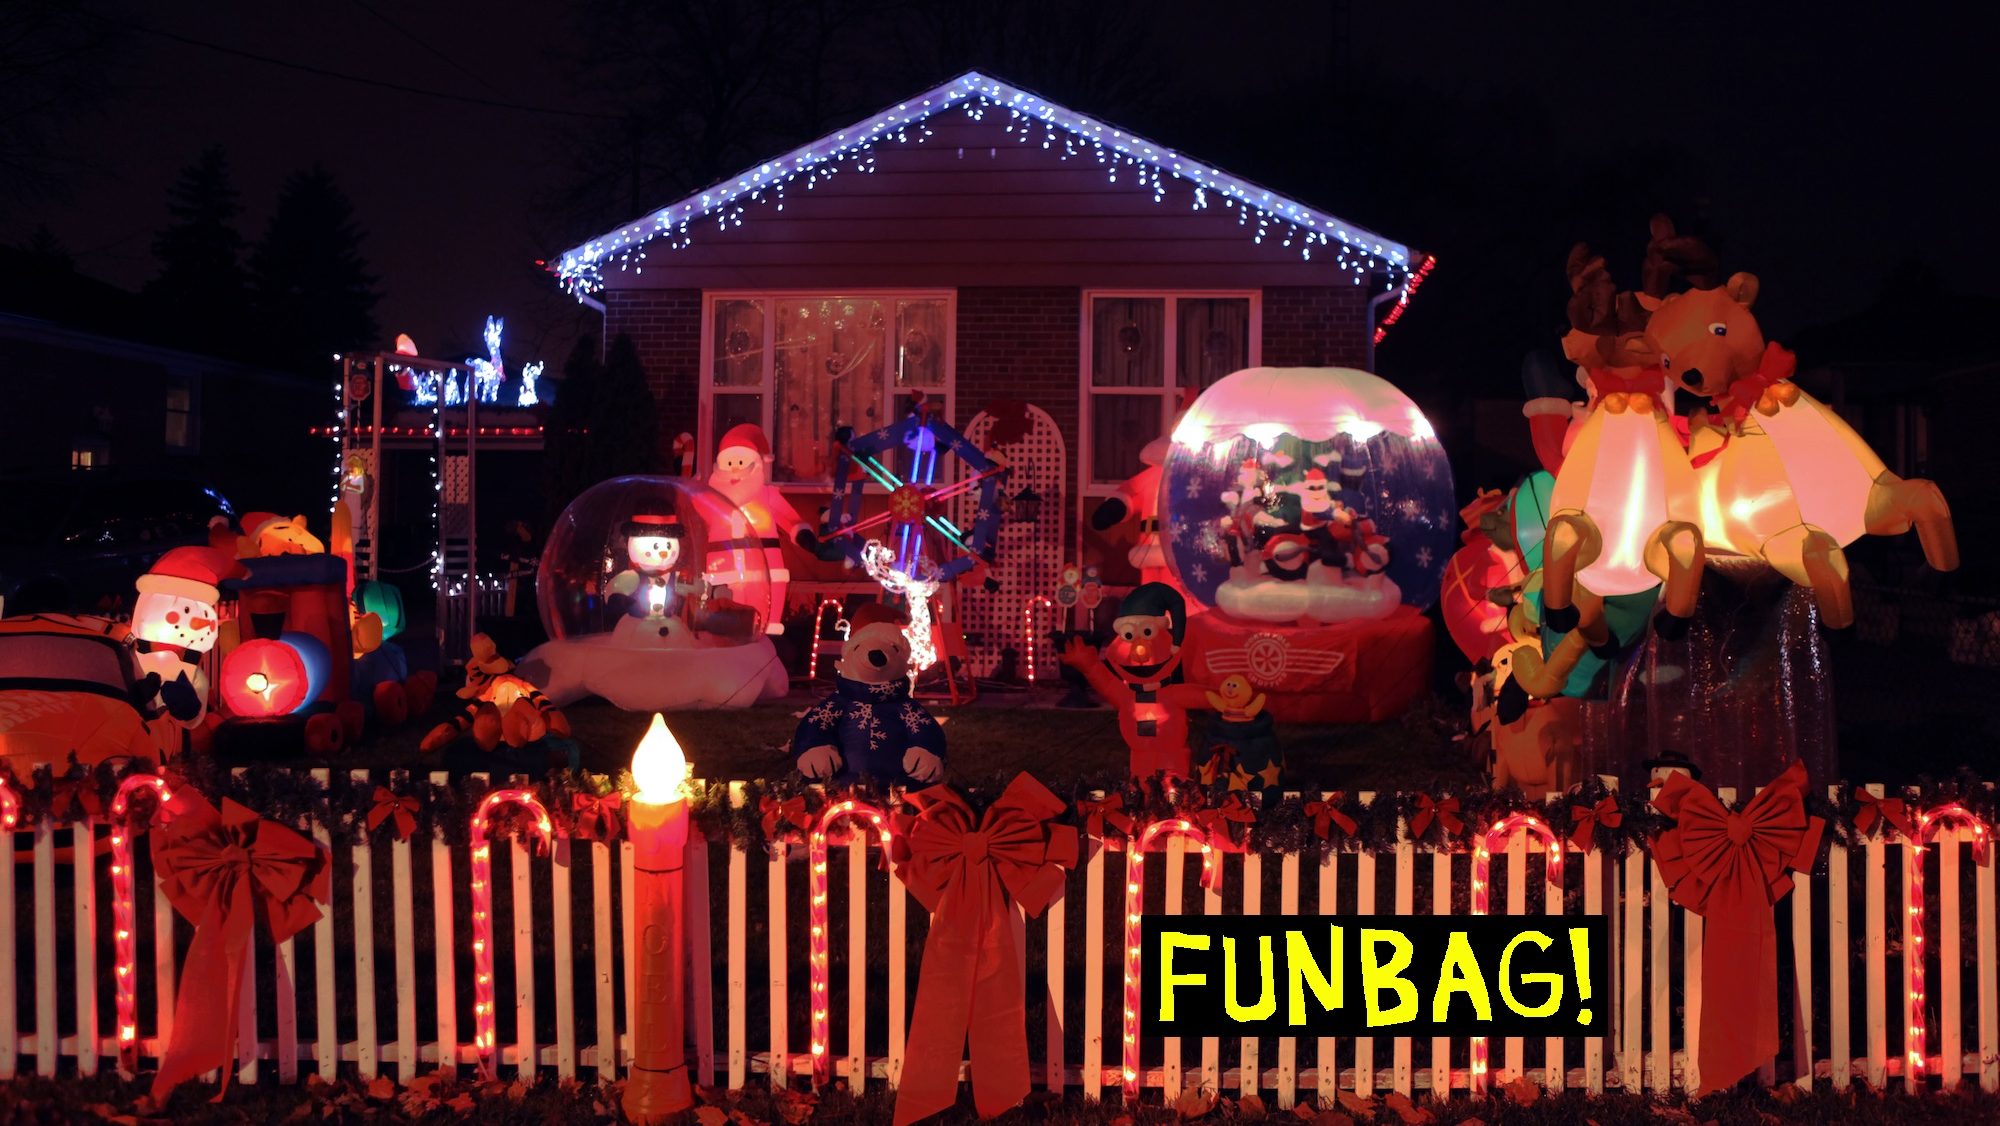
658,766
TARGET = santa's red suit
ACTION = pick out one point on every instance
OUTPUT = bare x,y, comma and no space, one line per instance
742,472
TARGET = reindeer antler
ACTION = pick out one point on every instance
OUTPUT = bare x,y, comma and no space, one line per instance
1593,295
1669,255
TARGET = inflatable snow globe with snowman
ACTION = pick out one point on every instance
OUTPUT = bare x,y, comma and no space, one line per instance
1311,515
638,609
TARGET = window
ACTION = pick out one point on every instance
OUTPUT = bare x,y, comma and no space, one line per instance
1148,354
181,431
801,365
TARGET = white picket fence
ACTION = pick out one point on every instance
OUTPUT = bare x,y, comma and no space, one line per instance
323,1007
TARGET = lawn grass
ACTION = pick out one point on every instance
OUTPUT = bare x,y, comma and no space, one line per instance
997,736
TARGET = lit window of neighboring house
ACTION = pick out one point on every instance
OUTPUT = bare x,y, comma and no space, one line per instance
183,432
1144,354
89,453
799,365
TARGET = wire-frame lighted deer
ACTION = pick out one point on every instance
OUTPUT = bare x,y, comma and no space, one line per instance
1781,477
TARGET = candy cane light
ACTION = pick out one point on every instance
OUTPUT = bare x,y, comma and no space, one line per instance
1928,823
125,946
10,804
819,625
482,914
1135,884
1498,836
1028,635
816,949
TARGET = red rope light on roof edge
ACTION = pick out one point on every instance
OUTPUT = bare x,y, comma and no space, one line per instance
1409,290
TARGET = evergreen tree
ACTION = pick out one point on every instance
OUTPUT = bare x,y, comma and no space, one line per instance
624,421
566,436
200,297
311,290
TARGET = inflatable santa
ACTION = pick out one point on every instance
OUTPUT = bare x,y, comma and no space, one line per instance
1137,504
742,472
175,621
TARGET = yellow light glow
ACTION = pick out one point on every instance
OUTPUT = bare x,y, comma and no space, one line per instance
658,766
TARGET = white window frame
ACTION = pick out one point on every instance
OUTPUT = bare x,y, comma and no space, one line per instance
705,437
1169,367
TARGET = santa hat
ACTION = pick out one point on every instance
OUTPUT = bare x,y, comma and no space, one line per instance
873,613
255,523
194,573
1151,600
649,524
745,436
1315,475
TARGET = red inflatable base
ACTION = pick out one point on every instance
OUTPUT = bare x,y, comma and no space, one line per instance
1355,672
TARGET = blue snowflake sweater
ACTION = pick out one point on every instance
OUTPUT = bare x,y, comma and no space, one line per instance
873,726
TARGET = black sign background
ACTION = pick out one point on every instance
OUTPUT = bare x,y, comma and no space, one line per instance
1199,1009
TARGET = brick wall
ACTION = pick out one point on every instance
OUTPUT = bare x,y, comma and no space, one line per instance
665,325
1316,326
1019,343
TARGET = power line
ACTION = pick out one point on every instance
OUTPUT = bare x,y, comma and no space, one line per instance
308,68
434,51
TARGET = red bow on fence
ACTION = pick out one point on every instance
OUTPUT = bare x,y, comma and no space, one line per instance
598,816
970,984
1445,813
1584,820
1219,822
75,799
781,817
1730,868
388,805
1326,815
1873,809
221,871
1110,811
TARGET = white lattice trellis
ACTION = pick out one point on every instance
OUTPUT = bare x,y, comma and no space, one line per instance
1030,554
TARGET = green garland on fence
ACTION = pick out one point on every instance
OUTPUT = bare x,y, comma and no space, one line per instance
757,815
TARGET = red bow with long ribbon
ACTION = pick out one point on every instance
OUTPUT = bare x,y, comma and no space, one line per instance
1873,809
970,984
1110,811
1445,813
221,870
1326,815
1219,822
598,816
782,817
1584,820
75,799
390,805
1731,867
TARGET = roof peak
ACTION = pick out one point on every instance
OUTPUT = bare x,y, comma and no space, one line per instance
1355,249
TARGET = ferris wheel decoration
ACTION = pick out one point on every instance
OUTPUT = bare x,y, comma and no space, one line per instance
926,542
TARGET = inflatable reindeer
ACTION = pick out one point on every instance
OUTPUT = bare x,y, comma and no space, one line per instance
1623,512
1781,477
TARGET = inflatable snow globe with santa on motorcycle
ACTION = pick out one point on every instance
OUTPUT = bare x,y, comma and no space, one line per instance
1309,514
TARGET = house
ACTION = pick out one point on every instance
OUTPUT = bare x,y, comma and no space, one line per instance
983,245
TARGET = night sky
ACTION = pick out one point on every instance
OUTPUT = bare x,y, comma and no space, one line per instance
1819,150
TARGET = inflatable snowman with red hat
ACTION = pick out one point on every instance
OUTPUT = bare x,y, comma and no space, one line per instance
742,472
176,620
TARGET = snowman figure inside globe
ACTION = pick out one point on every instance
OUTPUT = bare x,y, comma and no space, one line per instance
657,584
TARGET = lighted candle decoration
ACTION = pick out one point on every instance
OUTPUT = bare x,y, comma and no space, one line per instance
816,956
482,917
1498,836
125,945
1135,883
657,1087
819,623
1028,634
1928,823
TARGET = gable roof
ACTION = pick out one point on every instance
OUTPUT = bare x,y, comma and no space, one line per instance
1268,214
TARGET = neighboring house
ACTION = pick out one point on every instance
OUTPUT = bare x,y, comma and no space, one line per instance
980,244
84,400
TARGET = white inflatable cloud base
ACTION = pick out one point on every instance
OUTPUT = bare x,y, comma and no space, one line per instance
1321,598
656,678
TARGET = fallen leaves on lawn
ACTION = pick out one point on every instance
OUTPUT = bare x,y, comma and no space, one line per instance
1194,1104
1523,1090
711,1116
1409,1112
1361,1108
1331,1118
1250,1106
